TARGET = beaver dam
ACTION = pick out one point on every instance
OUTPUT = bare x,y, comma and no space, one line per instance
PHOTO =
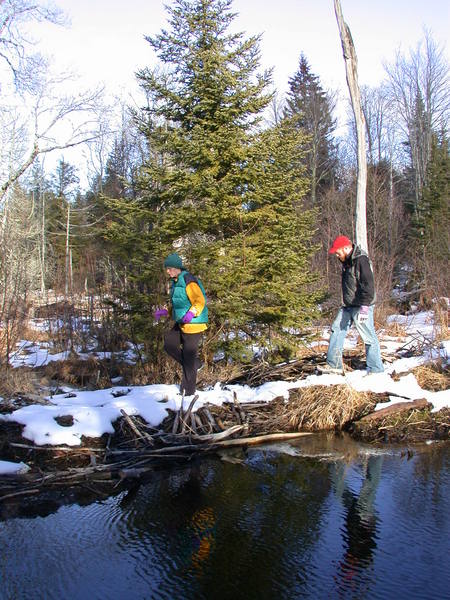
136,450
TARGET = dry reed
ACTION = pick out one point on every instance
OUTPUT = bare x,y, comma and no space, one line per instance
325,407
431,379
16,382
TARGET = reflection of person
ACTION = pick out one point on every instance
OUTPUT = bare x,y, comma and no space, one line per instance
358,295
193,520
360,520
189,311
203,528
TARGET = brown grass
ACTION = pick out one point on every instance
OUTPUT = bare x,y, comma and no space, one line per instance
394,329
14,382
430,378
90,373
325,407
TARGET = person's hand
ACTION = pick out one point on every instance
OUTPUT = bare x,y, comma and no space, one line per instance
161,312
188,317
363,314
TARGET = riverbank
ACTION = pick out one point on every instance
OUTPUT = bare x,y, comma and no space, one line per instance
142,429
60,428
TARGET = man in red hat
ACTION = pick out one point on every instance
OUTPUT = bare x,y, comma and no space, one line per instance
358,296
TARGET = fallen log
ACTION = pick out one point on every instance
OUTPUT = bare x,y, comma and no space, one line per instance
210,446
240,413
176,422
74,449
395,409
21,493
210,418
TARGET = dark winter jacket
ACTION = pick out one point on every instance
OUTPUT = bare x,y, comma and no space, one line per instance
358,288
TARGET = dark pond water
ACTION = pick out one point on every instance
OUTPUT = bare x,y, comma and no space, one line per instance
321,518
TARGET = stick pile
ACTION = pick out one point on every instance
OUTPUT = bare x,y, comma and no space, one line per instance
140,449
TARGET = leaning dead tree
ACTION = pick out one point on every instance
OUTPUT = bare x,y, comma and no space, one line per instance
351,70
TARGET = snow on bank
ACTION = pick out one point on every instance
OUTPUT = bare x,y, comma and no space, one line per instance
12,468
94,412
29,354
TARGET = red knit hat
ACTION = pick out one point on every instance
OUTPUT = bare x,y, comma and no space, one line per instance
340,242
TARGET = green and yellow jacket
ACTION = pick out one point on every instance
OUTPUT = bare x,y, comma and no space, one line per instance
187,293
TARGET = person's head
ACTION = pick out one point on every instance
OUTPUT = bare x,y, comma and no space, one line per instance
342,247
173,265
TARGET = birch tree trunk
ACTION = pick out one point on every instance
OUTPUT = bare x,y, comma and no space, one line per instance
351,70
43,246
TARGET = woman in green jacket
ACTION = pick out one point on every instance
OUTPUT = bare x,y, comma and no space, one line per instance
189,311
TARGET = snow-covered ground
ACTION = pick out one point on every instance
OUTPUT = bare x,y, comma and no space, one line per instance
94,412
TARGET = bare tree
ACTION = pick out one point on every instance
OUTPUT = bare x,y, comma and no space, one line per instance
375,106
16,47
43,122
419,90
19,270
276,109
384,156
35,118
96,152
350,59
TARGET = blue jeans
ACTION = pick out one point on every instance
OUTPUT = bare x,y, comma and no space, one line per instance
342,323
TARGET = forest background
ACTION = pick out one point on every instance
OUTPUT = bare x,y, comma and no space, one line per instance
247,184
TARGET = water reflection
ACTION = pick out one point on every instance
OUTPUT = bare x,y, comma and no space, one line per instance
194,536
220,522
303,521
360,519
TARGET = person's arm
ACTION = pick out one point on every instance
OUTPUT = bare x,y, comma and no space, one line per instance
365,293
196,297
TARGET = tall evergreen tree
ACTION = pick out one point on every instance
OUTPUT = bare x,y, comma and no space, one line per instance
216,187
312,109
431,222
204,107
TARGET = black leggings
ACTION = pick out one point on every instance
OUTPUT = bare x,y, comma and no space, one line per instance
183,348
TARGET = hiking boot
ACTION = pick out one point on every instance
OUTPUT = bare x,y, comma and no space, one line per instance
328,370
372,373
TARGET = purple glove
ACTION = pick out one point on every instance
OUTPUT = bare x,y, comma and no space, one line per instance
188,317
363,314
161,312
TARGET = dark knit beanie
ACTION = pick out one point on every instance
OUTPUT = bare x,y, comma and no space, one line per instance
174,261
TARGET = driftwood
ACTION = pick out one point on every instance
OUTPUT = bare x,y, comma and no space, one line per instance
262,371
394,409
185,418
263,439
217,437
56,448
